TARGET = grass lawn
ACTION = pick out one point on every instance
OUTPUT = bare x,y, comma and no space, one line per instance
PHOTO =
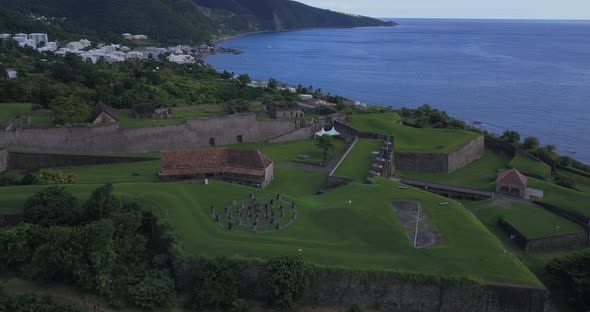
535,222
125,121
582,182
330,231
11,110
42,120
530,166
409,139
563,197
288,151
358,162
480,174
144,171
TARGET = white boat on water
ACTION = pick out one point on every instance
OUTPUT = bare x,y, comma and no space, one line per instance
572,152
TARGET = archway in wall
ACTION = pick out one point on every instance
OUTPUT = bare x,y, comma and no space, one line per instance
212,142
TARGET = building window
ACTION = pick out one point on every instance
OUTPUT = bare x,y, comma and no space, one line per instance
211,142
240,139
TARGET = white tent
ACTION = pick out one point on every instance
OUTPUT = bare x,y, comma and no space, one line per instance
333,132
320,133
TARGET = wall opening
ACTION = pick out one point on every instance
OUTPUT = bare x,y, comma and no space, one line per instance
240,139
211,142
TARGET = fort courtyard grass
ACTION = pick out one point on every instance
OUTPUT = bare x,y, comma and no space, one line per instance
350,227
409,139
562,197
358,162
11,110
530,166
535,222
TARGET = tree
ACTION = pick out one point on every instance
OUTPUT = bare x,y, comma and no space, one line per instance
288,280
54,205
565,181
531,143
511,136
102,203
550,148
70,110
326,143
273,84
570,275
217,284
155,289
244,79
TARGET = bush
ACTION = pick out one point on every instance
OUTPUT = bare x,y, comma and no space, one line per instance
54,205
155,289
6,180
288,279
531,143
28,302
570,276
564,181
357,308
217,285
56,176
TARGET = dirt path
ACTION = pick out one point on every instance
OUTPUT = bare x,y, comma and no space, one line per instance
415,221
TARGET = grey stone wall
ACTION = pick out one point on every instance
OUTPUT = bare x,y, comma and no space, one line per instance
299,134
29,161
466,154
383,291
3,160
441,162
109,139
422,162
572,241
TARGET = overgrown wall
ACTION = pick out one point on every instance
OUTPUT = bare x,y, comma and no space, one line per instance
29,161
3,160
384,291
109,139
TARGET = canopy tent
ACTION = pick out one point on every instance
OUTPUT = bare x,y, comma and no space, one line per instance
332,132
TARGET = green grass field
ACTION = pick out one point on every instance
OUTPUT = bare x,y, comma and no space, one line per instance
480,174
11,110
330,231
409,139
358,162
125,121
288,151
563,197
535,222
582,182
530,166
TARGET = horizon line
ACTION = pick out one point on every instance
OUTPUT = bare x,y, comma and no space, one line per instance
495,18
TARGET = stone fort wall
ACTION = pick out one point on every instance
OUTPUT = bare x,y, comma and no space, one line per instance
441,162
223,130
3,159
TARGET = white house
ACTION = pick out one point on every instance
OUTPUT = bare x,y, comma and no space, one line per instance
39,37
135,55
11,73
20,37
305,97
5,36
49,47
28,43
181,59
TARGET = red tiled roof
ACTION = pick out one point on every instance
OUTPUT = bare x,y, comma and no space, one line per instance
512,177
214,160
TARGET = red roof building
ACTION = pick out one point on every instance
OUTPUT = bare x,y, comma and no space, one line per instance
512,182
248,167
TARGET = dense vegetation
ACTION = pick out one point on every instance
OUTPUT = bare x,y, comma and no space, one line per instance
570,276
165,21
27,303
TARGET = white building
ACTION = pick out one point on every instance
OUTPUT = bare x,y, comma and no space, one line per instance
20,37
306,97
49,47
181,59
11,73
5,36
39,37
27,43
135,55
127,36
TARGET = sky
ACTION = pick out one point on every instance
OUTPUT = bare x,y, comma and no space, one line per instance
508,9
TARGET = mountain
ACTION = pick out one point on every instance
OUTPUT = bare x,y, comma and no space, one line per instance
166,21
162,20
277,15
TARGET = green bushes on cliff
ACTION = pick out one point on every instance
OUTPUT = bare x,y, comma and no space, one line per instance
288,280
570,276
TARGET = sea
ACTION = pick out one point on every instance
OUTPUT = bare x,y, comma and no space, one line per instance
532,76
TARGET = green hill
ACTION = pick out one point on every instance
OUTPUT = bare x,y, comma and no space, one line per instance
166,21
278,15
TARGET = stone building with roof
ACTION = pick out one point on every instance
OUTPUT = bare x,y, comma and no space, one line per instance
246,167
514,183
103,114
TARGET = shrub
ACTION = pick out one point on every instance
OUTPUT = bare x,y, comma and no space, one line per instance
531,143
288,279
570,276
29,179
28,302
6,180
56,176
155,289
217,285
564,181
54,205
357,308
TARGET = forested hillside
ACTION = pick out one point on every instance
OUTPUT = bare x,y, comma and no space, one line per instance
165,21
170,21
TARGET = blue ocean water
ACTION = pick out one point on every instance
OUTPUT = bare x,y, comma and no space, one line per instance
530,76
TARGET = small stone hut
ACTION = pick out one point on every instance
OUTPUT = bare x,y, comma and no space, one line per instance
512,183
103,114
